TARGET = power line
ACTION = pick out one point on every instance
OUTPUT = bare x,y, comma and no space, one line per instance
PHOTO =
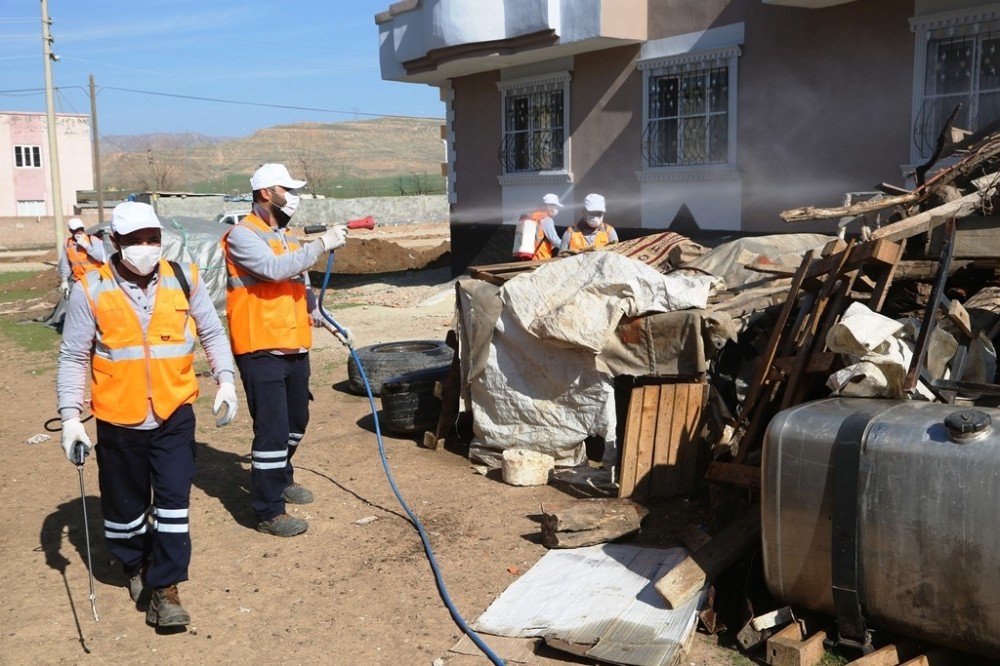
264,104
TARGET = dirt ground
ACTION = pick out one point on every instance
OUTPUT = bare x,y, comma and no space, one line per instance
343,593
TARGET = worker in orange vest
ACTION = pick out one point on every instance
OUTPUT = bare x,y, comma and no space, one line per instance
591,232
546,236
81,254
272,310
131,325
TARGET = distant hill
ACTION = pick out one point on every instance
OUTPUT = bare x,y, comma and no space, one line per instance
398,154
134,143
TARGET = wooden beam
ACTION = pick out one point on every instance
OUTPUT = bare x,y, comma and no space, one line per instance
890,655
930,219
685,581
787,648
734,474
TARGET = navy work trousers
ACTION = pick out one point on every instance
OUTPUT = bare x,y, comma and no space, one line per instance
134,466
277,389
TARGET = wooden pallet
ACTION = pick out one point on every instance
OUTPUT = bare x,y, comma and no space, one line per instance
660,448
794,362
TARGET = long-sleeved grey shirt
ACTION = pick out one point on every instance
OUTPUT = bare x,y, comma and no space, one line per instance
95,249
549,229
252,253
80,333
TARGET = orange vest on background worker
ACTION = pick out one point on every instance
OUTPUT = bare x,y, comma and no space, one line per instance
130,369
543,248
262,314
578,241
79,261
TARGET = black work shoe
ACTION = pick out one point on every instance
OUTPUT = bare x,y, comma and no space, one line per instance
283,526
165,608
296,494
135,587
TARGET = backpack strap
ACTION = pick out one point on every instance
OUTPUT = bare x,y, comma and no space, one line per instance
182,278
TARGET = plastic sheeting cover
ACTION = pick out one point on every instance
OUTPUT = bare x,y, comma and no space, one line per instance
540,385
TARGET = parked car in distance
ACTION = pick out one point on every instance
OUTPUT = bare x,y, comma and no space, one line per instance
232,217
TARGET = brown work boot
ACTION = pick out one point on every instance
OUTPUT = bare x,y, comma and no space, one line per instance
165,608
283,526
296,494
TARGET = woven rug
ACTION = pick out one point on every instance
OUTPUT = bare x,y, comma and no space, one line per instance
663,252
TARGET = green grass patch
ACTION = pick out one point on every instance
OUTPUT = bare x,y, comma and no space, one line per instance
341,306
18,295
30,336
15,276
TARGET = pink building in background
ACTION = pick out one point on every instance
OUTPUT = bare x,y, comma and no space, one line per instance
25,180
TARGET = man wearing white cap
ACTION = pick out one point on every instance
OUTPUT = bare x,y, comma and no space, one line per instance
81,254
546,236
591,232
132,323
270,307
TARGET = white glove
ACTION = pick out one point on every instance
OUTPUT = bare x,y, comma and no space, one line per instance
346,340
64,288
73,432
225,396
334,238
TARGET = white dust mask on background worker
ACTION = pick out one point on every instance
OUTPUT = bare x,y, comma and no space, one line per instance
594,220
141,259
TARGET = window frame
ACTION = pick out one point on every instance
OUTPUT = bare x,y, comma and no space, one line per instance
22,151
686,63
555,81
976,22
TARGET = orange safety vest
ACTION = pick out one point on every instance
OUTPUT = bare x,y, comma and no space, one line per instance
131,369
578,241
543,248
262,314
79,261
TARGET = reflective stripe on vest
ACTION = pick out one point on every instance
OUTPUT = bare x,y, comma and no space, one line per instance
79,261
543,248
263,314
131,369
578,241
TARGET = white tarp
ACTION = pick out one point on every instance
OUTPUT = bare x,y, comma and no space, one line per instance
542,386
599,602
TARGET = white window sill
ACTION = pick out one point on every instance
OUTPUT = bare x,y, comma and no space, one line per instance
689,173
536,178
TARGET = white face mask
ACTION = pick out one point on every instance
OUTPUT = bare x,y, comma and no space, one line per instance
291,204
594,220
81,237
141,259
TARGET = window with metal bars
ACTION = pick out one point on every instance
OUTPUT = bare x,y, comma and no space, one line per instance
533,131
28,157
688,118
959,69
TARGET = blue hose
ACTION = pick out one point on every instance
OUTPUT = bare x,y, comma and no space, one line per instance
442,590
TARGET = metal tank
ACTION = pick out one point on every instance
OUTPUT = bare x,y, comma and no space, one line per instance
927,514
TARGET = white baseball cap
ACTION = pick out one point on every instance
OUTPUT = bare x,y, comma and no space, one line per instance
594,203
75,223
551,200
129,216
269,175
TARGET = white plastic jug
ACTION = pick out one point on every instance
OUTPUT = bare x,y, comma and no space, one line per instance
524,238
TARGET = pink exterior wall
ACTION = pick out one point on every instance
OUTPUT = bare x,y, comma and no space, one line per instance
34,184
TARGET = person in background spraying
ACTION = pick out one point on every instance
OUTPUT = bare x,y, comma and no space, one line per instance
272,310
132,322
591,232
546,236
81,254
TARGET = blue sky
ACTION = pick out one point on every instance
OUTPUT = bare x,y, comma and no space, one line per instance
310,53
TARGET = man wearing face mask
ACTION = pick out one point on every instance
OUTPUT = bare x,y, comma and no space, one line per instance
132,323
81,254
272,310
591,232
546,237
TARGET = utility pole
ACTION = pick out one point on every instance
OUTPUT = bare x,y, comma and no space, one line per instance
50,116
95,150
